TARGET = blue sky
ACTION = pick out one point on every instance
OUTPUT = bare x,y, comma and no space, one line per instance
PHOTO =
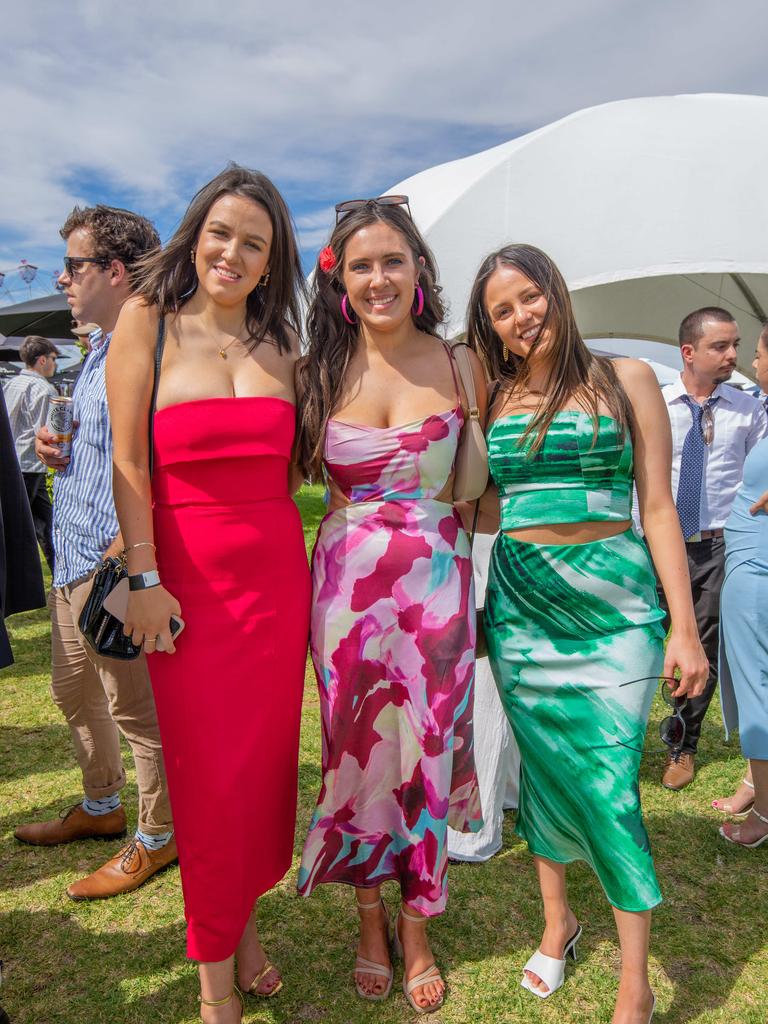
139,105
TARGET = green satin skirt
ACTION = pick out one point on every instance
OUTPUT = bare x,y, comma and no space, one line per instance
566,626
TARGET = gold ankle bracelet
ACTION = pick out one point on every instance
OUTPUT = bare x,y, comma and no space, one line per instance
217,1002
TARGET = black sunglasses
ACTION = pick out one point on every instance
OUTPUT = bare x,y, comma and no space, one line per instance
349,205
671,728
73,264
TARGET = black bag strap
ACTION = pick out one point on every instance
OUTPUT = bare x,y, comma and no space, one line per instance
491,400
160,345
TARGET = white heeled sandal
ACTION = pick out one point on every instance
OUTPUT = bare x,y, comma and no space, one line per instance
747,808
747,846
549,969
363,966
432,973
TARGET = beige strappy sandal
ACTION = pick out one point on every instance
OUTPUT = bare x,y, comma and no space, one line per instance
222,1002
432,973
363,966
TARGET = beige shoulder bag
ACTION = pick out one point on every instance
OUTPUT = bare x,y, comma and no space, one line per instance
471,466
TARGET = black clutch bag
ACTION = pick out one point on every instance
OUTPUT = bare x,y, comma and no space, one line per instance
99,627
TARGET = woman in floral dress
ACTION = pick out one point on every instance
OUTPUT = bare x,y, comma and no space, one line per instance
392,633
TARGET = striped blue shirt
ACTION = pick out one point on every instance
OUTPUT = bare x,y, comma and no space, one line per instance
84,519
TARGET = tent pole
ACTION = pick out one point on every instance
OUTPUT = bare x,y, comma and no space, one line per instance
751,298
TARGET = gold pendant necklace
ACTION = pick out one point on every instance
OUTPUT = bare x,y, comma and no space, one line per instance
223,351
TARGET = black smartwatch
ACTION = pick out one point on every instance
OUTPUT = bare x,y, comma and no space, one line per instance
144,580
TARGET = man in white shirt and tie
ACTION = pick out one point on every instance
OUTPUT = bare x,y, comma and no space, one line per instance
714,426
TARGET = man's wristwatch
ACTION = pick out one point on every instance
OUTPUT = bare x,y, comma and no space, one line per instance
144,580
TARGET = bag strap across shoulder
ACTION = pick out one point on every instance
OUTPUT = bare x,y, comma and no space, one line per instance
473,530
459,350
159,346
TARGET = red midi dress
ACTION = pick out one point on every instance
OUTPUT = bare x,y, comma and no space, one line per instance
230,548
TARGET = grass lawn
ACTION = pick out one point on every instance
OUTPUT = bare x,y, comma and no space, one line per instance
122,961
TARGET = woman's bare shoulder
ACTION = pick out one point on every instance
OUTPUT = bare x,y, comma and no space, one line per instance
138,310
634,373
137,323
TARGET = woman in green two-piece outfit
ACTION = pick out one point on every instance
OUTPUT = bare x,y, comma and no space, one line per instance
571,609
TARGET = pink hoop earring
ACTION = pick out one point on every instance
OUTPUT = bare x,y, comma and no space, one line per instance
418,302
345,311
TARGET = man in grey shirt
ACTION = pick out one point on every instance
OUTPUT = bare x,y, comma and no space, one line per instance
27,396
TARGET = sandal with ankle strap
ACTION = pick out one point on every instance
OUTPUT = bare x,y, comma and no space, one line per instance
549,968
729,809
224,1001
746,846
432,973
253,988
363,966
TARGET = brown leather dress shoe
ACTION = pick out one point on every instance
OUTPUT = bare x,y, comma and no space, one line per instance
74,823
679,770
126,871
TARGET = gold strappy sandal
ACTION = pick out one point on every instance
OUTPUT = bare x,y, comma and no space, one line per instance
222,1002
253,988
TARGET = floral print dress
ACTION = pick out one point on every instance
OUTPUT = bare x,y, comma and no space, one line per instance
392,640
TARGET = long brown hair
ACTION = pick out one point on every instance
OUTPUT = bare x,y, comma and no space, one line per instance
332,341
575,372
167,277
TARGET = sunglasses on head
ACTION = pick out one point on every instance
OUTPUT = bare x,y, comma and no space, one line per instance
350,205
671,728
74,264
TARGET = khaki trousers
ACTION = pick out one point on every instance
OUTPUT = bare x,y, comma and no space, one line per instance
99,696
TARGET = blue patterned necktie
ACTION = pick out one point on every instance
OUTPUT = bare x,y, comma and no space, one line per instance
692,470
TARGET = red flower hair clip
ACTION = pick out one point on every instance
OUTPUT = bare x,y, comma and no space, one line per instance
327,259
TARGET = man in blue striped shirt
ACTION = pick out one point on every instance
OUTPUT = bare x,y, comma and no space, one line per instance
99,697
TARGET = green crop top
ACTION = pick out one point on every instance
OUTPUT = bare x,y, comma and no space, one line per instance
568,480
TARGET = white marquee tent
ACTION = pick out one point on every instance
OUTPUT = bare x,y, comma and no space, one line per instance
651,208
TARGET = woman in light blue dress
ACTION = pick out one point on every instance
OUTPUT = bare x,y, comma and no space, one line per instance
744,651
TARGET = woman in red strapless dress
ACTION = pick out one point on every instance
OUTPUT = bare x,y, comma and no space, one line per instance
230,554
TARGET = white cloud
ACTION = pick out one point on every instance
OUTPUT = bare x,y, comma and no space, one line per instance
314,228
331,100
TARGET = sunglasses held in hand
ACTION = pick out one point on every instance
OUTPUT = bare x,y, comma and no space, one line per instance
671,728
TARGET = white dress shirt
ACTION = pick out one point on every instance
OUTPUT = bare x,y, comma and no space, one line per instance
740,422
27,396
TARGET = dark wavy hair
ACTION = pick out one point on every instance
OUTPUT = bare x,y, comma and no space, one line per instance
332,341
116,234
168,278
575,372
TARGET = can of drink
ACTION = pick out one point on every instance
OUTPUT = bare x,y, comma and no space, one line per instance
59,423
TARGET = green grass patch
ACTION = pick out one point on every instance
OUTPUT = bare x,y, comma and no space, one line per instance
122,961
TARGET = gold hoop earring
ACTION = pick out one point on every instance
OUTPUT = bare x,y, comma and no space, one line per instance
506,354
265,280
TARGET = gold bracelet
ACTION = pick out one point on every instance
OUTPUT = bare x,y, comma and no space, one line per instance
142,544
